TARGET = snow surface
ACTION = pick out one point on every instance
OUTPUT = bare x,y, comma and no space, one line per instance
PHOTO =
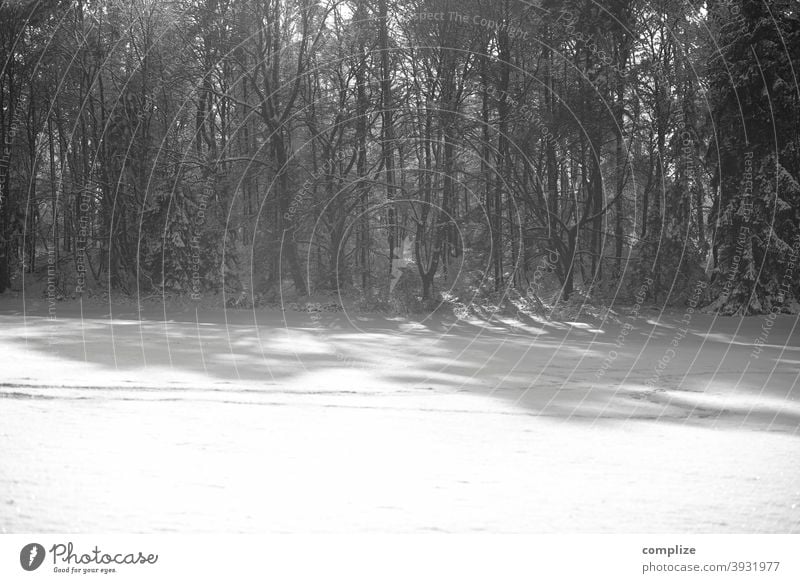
154,419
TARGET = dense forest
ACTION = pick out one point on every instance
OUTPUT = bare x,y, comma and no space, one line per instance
411,151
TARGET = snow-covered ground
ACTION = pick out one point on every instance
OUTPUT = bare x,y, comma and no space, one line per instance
115,419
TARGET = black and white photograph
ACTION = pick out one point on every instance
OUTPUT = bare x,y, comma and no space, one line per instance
399,267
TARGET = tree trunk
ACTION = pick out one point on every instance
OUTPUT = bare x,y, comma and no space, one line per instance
387,141
362,105
285,222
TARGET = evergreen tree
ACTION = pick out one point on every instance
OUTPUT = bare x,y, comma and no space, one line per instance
755,154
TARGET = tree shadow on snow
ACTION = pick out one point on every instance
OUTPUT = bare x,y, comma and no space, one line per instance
551,369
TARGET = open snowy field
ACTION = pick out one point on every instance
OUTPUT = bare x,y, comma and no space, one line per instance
113,419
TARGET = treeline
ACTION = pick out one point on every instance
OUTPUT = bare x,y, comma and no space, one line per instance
474,147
